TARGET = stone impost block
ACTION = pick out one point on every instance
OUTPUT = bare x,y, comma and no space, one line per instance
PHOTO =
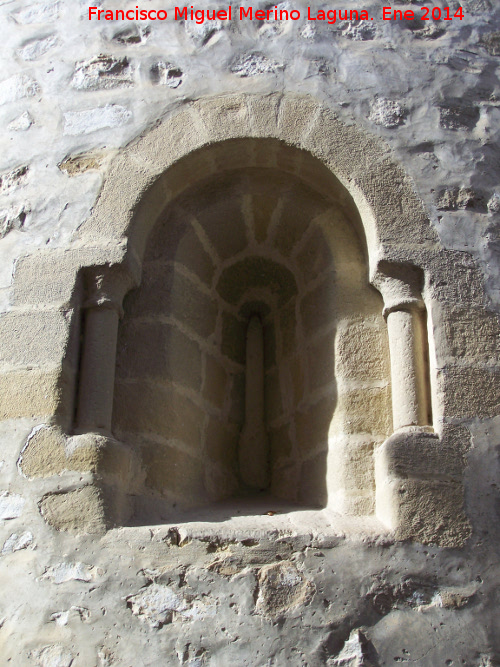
419,490
427,511
415,453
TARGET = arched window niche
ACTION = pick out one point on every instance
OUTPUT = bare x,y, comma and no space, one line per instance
253,359
255,339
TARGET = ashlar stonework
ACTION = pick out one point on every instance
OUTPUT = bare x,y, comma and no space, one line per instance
249,378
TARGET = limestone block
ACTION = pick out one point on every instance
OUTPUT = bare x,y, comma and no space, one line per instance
224,117
471,334
102,72
313,483
468,392
147,407
455,278
49,452
233,338
215,382
420,454
174,138
157,351
281,443
296,215
174,239
30,393
33,338
221,447
296,116
165,291
221,221
50,277
362,351
317,306
173,472
281,589
390,194
428,511
79,511
314,256
257,272
351,467
343,145
312,425
321,361
43,278
263,113
286,480
221,443
363,410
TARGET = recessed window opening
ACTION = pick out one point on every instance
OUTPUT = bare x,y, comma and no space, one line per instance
252,360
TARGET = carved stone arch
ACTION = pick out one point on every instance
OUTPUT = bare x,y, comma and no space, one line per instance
297,138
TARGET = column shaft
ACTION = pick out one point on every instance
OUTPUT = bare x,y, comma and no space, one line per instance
97,371
408,371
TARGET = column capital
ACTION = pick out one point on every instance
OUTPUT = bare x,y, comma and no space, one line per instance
105,287
400,286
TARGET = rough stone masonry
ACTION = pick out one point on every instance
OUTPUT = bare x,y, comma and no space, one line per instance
249,360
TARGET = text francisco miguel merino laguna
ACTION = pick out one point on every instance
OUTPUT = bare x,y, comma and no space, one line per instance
202,15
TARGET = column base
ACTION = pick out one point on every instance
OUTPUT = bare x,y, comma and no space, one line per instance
419,489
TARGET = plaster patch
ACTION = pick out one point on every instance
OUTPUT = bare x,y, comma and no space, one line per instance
17,87
159,605
11,506
91,120
18,542
52,656
64,572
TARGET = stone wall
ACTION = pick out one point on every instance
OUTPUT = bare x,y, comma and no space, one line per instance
163,184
